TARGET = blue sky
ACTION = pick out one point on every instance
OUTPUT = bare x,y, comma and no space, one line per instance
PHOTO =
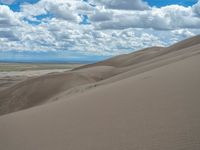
160,3
91,29
16,4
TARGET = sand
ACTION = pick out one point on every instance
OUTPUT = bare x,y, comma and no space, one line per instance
13,73
148,100
9,79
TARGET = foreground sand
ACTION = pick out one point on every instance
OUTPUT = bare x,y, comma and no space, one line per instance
151,104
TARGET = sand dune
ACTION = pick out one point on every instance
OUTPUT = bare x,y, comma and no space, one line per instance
38,90
145,54
127,59
146,100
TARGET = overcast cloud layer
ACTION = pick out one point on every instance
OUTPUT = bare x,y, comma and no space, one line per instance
96,27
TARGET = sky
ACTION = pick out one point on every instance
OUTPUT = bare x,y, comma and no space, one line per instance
91,30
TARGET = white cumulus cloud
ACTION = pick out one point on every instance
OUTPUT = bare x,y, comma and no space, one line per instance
109,27
122,4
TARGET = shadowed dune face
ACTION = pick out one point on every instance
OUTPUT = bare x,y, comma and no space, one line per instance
37,91
155,108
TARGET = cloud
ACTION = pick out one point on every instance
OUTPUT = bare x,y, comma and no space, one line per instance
114,28
183,33
123,4
7,17
196,8
165,18
62,9
9,35
101,15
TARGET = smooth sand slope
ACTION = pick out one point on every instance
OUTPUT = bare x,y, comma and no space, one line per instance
148,104
40,90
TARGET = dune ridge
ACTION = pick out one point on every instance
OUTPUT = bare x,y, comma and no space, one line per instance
47,88
148,104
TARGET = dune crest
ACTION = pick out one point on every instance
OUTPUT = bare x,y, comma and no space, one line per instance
40,90
144,100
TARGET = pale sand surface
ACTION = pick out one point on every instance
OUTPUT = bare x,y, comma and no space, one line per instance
151,104
30,73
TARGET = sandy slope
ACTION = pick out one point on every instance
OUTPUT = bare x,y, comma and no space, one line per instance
10,78
40,90
148,100
155,110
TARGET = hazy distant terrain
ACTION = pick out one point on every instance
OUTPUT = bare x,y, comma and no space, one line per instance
12,73
6,67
